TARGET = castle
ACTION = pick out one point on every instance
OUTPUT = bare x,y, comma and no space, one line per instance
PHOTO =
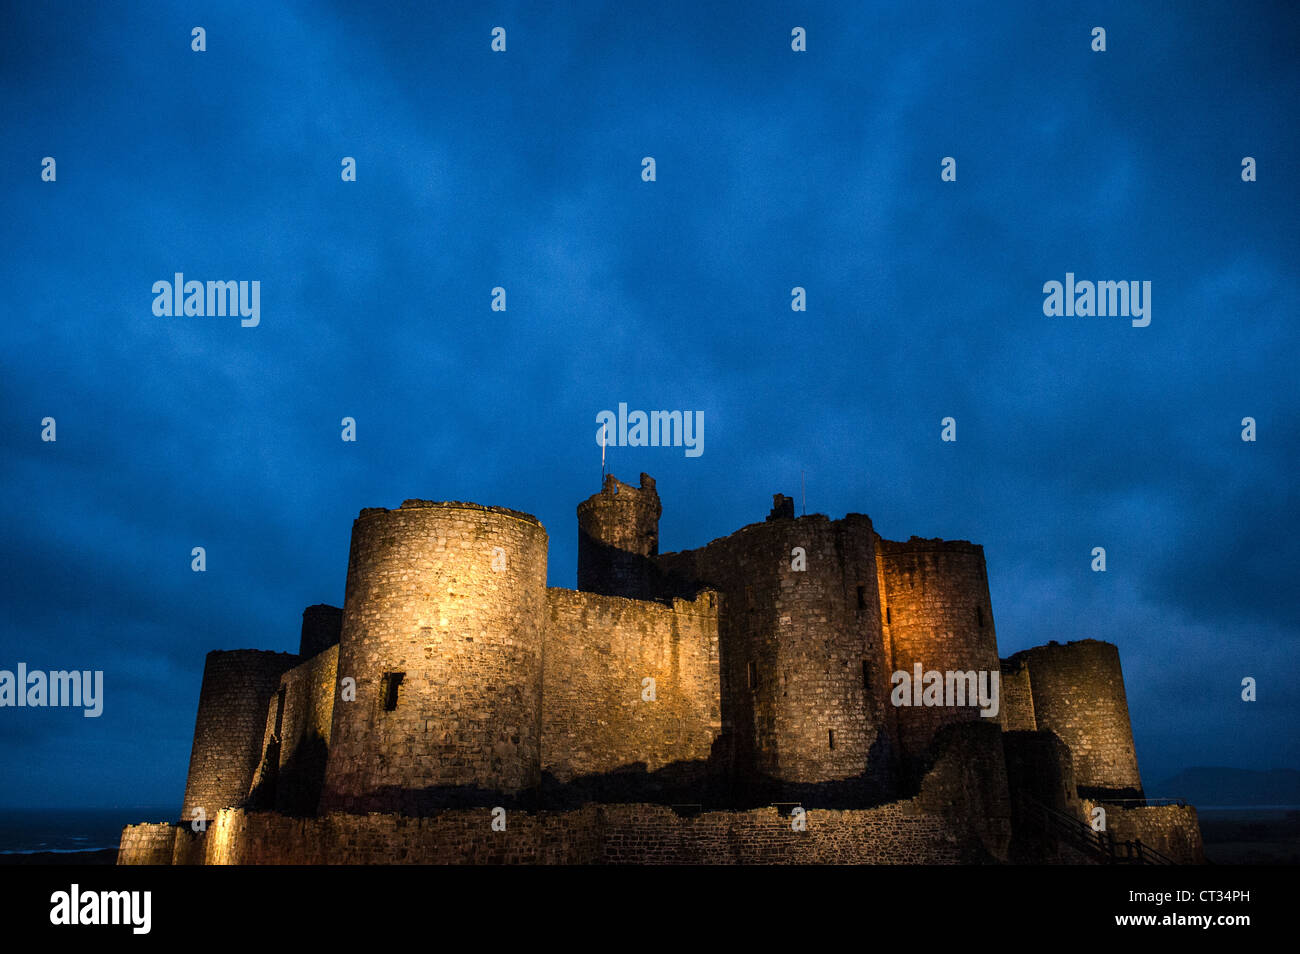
733,703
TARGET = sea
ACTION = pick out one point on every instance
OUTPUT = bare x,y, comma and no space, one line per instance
27,831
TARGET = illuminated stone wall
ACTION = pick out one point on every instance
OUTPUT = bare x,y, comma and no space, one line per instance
804,675
1017,698
599,652
1173,830
899,833
1078,693
147,844
230,725
295,744
938,614
442,630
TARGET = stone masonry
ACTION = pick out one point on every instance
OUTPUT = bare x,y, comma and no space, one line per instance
727,704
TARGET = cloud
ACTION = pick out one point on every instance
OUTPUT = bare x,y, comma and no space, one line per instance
775,169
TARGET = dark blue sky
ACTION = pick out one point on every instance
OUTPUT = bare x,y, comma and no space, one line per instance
522,169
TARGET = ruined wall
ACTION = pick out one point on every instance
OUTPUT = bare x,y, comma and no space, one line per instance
618,535
147,844
1173,830
598,651
322,625
966,781
1017,699
939,615
442,630
804,677
1039,766
1040,773
1078,693
898,833
228,730
295,743
451,837
190,847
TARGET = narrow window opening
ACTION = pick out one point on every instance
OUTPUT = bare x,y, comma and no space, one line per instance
388,689
279,711
866,675
830,737
862,597
979,616
887,616
753,675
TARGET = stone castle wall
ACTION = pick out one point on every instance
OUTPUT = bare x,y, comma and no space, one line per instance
151,843
443,622
966,781
230,725
1017,699
295,743
897,833
1173,830
1039,766
598,652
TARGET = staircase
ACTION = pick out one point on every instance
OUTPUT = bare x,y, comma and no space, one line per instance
1101,847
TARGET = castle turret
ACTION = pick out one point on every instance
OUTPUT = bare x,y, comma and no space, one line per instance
442,632
804,674
236,691
321,626
937,615
1078,693
618,538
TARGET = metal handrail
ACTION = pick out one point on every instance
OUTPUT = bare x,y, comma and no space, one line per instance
1101,845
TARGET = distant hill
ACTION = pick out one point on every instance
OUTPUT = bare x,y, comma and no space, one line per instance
1229,786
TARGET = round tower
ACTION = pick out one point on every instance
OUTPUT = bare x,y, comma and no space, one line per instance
233,701
442,632
937,615
618,539
816,633
1078,693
